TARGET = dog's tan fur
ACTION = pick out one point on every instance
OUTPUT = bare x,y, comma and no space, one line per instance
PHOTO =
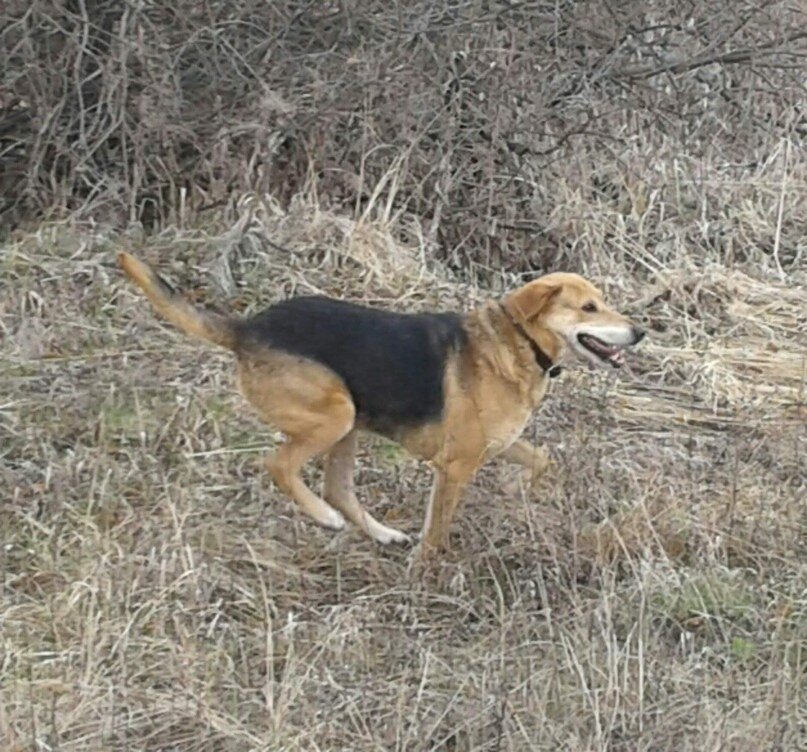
491,388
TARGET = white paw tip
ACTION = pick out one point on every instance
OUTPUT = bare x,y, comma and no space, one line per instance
388,535
333,520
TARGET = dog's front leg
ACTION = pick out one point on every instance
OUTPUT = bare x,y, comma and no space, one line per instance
449,483
533,459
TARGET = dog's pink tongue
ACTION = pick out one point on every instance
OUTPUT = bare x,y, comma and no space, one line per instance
617,359
608,350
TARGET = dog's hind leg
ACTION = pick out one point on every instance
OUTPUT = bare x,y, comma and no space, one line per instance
311,406
313,432
339,492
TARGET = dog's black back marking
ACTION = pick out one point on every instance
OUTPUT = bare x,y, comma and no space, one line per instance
392,363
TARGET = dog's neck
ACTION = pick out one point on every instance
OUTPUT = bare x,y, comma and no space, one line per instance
544,345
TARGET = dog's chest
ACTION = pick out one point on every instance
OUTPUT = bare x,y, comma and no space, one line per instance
504,433
508,417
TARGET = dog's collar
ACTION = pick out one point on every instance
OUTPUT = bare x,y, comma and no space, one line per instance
541,358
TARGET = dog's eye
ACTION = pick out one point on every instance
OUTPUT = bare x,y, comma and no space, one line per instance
590,308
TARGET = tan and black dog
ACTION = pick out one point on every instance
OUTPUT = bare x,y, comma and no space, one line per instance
453,389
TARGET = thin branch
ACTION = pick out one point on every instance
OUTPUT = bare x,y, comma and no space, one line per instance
742,55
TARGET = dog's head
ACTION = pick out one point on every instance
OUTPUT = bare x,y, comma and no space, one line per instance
573,310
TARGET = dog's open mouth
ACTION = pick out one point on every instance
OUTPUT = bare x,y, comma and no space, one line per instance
611,354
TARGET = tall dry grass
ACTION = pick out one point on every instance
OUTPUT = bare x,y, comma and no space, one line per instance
157,593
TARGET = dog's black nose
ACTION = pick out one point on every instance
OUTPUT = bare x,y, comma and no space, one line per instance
638,334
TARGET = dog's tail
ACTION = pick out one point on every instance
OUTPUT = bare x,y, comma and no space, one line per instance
202,324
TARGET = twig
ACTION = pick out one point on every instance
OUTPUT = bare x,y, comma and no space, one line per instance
780,212
731,57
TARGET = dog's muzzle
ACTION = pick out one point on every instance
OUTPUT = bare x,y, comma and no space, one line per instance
607,352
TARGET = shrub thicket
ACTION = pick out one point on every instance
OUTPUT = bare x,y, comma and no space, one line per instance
476,116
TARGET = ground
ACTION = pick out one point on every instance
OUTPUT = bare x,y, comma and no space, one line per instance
158,592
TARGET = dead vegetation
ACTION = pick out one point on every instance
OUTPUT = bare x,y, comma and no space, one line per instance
158,594
483,119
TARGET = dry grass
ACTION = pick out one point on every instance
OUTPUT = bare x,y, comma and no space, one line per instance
159,594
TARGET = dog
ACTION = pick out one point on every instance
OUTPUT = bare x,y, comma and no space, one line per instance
453,389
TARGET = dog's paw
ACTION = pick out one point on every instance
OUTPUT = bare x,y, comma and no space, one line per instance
421,556
332,519
386,535
428,565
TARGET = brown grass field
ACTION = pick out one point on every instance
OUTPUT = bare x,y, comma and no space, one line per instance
158,594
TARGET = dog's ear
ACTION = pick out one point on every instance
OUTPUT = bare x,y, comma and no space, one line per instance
529,301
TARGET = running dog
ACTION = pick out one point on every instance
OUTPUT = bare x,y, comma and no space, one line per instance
453,389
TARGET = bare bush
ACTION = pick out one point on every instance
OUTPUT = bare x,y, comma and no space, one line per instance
480,117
